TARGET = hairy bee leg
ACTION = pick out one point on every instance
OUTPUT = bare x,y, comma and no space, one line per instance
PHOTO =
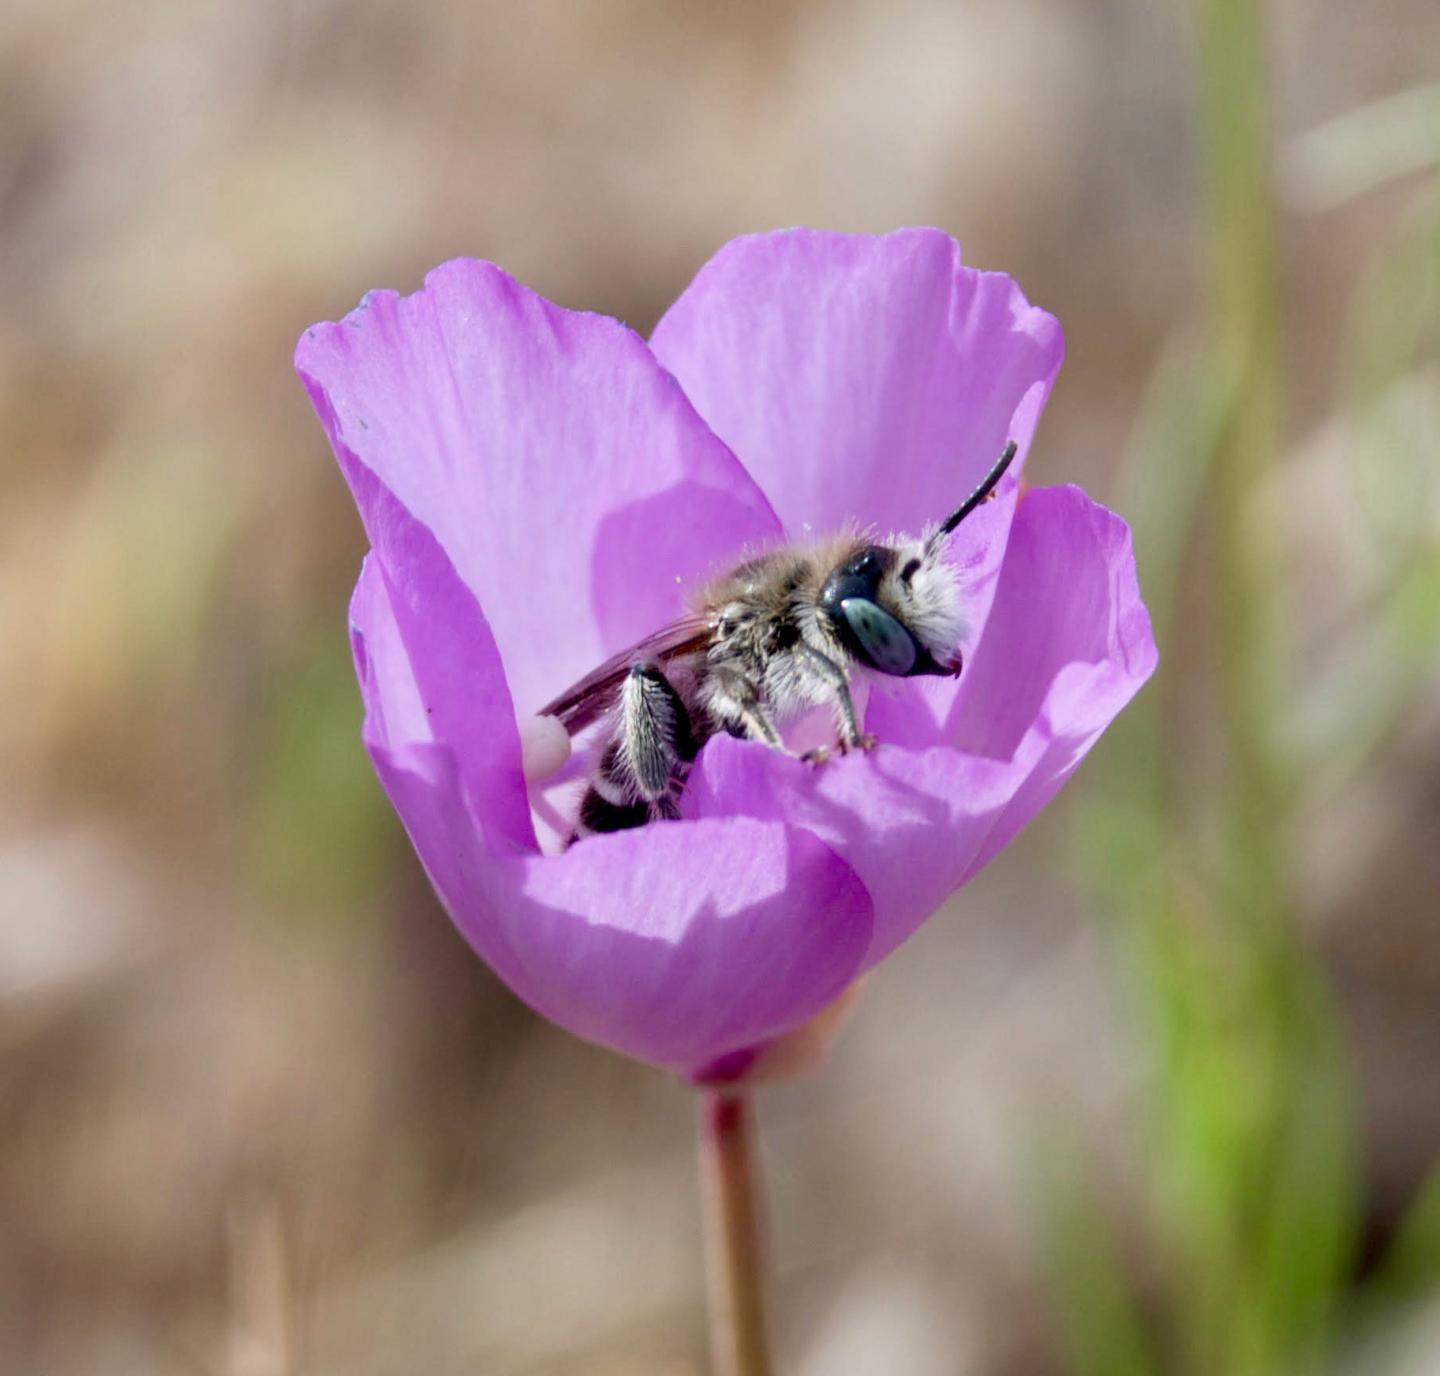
640,769
655,734
741,703
851,736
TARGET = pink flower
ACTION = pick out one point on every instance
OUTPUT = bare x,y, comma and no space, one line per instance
540,487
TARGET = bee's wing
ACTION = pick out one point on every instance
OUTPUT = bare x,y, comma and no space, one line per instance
588,700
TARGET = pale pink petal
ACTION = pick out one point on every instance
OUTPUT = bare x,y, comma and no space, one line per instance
677,943
561,469
858,378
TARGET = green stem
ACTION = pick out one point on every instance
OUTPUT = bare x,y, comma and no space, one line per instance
732,1234
1244,285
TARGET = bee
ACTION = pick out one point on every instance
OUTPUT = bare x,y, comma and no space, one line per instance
776,635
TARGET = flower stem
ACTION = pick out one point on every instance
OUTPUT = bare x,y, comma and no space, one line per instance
732,1234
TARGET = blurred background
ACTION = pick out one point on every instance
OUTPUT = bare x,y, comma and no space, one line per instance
1160,1093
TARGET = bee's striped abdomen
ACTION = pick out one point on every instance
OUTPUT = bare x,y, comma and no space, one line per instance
598,813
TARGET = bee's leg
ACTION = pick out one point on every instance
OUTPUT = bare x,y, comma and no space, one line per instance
639,772
735,702
834,675
655,739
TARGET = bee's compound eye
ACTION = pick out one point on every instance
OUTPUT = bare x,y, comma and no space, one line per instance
887,645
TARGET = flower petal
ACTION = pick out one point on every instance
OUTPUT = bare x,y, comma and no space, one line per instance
429,671
1068,595
676,944
859,378
561,469
910,823
1068,645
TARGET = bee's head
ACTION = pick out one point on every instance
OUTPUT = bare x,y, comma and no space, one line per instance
898,608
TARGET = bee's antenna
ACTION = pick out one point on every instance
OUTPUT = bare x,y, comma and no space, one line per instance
987,486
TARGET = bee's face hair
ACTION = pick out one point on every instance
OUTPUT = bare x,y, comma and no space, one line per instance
921,591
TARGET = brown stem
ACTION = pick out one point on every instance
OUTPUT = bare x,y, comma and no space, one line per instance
732,1235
